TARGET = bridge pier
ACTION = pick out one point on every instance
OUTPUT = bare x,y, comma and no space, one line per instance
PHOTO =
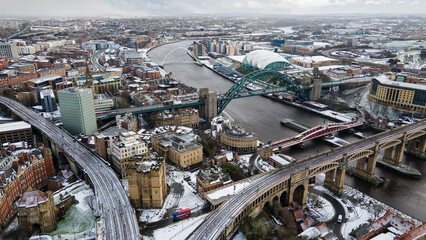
366,166
335,178
298,189
209,110
393,155
417,147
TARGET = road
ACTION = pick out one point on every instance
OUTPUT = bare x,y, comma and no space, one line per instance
116,213
20,32
215,224
340,210
95,60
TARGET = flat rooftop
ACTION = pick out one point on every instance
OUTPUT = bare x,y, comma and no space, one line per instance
13,126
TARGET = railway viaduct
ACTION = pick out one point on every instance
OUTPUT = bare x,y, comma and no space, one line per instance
290,183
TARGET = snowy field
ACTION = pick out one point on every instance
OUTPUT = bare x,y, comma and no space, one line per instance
177,231
78,222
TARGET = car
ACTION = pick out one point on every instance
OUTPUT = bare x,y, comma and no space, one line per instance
339,219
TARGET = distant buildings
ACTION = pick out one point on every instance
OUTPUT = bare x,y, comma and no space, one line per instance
77,110
314,61
178,149
198,49
8,50
399,95
16,132
147,183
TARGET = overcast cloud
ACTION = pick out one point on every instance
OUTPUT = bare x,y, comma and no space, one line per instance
195,7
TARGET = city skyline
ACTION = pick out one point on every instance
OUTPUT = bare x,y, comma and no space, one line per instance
132,8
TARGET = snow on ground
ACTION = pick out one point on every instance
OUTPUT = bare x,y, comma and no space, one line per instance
78,222
125,184
230,189
364,209
178,230
245,158
240,236
320,208
188,199
155,215
363,216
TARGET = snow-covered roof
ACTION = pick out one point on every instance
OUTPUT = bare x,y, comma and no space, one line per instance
13,126
262,58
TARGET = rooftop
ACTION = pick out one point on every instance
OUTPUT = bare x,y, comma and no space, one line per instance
262,58
32,199
12,126
385,80
179,142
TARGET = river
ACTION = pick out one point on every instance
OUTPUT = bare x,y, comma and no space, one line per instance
262,116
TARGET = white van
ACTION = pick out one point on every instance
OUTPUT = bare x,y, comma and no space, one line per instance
339,219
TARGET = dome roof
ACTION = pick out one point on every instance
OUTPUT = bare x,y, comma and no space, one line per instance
261,58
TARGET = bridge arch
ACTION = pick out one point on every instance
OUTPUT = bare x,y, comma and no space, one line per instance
298,194
259,78
62,161
284,199
162,62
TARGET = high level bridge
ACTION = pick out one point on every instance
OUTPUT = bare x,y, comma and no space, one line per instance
112,204
290,183
254,84
315,132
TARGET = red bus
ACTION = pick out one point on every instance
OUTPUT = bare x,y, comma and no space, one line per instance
185,213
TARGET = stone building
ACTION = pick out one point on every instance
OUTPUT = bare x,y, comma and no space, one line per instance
105,140
187,117
128,121
128,146
181,150
236,139
36,212
211,178
147,183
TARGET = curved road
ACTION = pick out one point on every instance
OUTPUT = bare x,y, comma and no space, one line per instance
215,224
117,215
340,210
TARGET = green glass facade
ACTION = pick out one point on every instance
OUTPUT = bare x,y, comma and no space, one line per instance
77,110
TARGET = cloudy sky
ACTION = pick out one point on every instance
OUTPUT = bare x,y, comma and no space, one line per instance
198,7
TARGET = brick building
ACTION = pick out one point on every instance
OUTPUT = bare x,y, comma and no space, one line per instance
18,173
